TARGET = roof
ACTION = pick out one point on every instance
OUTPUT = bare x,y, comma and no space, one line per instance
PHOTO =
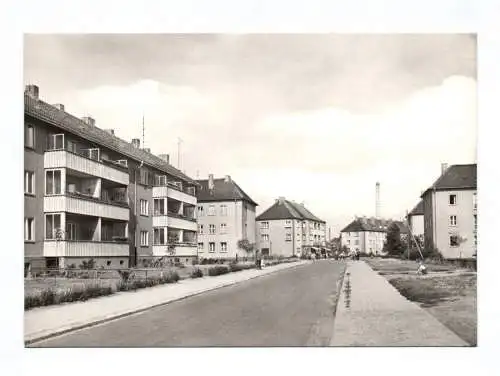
285,209
373,225
456,177
43,111
418,209
224,190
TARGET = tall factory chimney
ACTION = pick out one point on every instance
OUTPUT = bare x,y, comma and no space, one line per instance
377,200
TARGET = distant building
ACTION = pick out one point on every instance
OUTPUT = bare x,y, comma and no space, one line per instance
416,219
288,228
450,212
226,214
368,235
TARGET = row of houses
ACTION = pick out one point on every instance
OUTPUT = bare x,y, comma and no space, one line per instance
445,218
89,194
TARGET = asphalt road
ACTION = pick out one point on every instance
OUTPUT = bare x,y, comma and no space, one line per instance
293,307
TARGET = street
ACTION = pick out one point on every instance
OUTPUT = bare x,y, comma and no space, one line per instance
293,307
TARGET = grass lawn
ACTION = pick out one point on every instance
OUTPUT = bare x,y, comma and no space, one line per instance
447,292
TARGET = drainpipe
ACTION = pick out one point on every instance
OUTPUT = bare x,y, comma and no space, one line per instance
135,210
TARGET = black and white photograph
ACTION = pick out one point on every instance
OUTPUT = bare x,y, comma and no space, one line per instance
250,190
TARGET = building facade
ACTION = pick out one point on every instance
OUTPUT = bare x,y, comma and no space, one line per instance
368,235
289,229
450,212
416,219
89,194
226,215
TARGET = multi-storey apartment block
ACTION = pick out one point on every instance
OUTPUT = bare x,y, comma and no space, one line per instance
289,229
450,212
368,235
89,194
226,214
416,220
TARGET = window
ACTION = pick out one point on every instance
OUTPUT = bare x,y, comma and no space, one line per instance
454,241
29,182
265,237
223,228
453,220
348,242
29,229
356,242
191,191
288,237
159,206
71,231
200,229
53,182
288,222
223,210
55,141
52,226
29,136
200,211
108,263
474,201
144,207
159,236
92,153
121,262
223,247
144,178
144,239
200,246
211,247
475,231
453,199
264,225
211,210
160,180
211,229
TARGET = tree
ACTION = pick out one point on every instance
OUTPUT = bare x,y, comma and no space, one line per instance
393,244
246,245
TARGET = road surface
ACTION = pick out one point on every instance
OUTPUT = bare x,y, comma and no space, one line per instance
293,307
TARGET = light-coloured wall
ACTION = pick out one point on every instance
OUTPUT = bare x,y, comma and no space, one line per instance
238,215
417,224
277,244
368,241
464,210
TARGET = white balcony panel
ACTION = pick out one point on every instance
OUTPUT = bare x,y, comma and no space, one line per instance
84,207
84,249
159,192
61,158
178,251
181,196
160,221
182,224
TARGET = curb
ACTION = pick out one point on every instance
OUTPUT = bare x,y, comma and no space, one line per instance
140,310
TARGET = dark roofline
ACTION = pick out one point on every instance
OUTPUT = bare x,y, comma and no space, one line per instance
434,187
73,124
245,196
291,208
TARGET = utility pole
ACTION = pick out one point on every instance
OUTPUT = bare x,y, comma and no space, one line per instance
143,138
179,141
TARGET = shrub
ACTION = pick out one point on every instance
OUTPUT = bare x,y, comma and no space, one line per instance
197,273
124,275
233,267
218,270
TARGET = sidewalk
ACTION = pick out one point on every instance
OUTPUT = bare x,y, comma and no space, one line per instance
45,322
371,312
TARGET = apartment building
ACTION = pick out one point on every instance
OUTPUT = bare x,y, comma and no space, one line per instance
90,195
226,214
290,229
450,212
416,219
368,235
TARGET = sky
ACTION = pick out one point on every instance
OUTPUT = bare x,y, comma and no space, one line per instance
315,118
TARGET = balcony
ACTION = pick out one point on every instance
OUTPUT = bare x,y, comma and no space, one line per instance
86,205
80,163
179,249
86,248
175,193
176,221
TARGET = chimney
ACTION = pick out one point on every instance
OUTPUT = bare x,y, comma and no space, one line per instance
377,200
59,106
110,131
32,91
227,179
281,200
444,167
89,120
136,143
147,150
211,182
165,157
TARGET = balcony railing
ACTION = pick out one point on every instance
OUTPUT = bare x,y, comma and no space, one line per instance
175,249
56,158
101,199
84,248
84,205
